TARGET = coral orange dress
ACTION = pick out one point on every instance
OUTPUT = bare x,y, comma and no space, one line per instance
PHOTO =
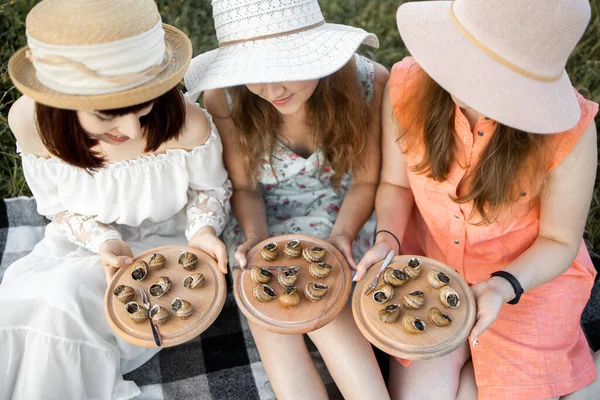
536,349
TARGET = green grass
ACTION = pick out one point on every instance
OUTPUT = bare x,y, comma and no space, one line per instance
194,18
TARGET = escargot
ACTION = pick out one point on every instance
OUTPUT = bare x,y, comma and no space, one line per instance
260,275
188,260
449,297
124,293
293,249
413,268
160,287
414,299
383,293
269,251
319,270
193,281
390,314
157,261
137,312
314,254
290,297
315,291
412,324
289,277
139,270
395,277
437,279
438,318
159,314
181,308
263,292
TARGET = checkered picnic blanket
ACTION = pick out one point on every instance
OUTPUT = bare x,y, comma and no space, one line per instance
223,362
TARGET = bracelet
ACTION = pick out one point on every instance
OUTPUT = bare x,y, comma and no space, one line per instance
514,283
394,236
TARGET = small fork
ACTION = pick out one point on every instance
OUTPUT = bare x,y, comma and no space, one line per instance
386,262
155,334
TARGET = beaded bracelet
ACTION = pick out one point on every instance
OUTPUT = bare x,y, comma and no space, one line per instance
394,236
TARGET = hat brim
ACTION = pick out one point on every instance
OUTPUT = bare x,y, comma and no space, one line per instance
486,85
23,74
311,54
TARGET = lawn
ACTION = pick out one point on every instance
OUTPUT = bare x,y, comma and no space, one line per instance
194,17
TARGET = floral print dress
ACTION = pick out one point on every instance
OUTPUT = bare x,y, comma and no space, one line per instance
300,197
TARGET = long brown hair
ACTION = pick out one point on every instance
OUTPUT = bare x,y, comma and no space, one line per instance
512,160
336,113
63,136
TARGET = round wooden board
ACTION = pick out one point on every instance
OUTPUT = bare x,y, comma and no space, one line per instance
392,338
207,300
307,316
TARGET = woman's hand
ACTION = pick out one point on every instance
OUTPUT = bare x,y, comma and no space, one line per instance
114,254
373,256
206,239
242,250
344,245
490,295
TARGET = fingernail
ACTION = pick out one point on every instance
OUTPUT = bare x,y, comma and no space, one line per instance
475,342
128,260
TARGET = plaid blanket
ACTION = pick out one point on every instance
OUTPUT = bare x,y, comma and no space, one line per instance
223,362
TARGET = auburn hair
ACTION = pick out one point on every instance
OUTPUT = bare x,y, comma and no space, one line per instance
62,134
512,159
335,112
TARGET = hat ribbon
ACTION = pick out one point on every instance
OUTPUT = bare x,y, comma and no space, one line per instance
273,35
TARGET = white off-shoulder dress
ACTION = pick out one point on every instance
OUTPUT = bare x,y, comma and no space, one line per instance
54,340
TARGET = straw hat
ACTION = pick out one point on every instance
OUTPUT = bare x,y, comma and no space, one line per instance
263,41
505,59
98,54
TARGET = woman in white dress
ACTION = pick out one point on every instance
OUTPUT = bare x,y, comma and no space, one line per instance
120,163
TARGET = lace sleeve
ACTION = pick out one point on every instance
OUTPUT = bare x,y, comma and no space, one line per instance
208,207
84,230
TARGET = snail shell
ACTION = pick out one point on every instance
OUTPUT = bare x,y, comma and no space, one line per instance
288,278
319,270
290,297
395,277
414,299
383,293
188,260
139,270
390,314
193,281
269,251
157,261
160,287
438,318
449,297
181,308
412,324
124,293
260,275
315,291
437,279
314,254
159,315
137,312
263,292
413,269
293,249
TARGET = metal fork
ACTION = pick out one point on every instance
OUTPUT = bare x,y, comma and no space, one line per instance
276,268
146,302
386,262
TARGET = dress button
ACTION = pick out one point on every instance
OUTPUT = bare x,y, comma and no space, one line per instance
480,133
456,241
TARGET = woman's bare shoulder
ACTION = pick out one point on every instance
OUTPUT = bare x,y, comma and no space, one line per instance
21,120
197,127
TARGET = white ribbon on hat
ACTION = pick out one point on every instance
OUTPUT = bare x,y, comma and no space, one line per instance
100,68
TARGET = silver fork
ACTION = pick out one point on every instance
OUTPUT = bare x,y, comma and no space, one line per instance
146,302
386,262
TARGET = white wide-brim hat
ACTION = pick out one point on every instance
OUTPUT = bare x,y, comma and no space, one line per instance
292,44
504,59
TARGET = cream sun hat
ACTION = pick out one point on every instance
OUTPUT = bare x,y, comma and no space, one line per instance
505,59
98,54
263,41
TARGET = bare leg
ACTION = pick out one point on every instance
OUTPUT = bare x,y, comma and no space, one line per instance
592,390
467,388
285,356
350,358
428,379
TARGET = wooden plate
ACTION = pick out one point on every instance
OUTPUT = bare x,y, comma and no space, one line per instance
207,300
392,338
307,316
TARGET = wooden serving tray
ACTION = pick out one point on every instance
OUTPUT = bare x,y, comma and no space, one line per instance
307,316
207,300
434,341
